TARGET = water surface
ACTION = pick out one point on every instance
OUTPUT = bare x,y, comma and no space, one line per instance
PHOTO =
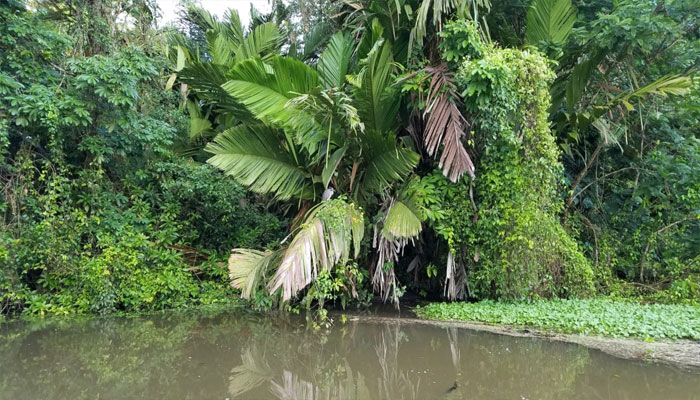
226,355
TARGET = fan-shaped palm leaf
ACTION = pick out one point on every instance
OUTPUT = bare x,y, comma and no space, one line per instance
324,240
401,222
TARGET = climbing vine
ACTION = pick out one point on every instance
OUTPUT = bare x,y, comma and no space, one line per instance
503,228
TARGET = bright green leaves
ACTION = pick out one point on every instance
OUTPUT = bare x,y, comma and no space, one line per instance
266,91
591,317
255,157
264,42
460,39
401,222
332,164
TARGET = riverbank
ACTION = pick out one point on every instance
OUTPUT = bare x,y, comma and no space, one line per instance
665,333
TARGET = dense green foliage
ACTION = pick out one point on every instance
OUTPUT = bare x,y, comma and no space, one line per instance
591,317
510,238
98,213
456,149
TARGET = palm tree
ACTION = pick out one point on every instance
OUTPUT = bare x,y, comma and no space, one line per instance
292,131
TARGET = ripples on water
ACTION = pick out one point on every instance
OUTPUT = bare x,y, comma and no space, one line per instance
219,355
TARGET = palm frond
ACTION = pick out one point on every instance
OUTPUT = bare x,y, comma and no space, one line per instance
400,225
385,161
455,279
666,85
377,102
254,157
324,240
439,9
332,165
266,91
248,268
335,60
314,41
264,42
549,21
200,126
401,222
369,39
221,48
445,125
578,79
234,27
206,80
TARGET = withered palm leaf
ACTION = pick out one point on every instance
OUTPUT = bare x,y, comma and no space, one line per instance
445,125
318,244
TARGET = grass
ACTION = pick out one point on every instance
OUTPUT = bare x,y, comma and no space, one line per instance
597,317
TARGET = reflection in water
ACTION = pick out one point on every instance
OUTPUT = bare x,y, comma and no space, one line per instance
226,355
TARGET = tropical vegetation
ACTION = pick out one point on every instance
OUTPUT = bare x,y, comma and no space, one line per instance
602,317
460,150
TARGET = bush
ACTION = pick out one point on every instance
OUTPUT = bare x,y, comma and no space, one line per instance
593,317
513,246
90,246
218,214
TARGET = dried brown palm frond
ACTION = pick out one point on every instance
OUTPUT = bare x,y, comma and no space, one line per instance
446,125
319,243
383,276
323,240
247,268
455,279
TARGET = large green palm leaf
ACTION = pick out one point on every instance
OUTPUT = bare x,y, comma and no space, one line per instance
550,21
264,42
377,102
254,156
335,60
206,80
385,161
266,91
401,222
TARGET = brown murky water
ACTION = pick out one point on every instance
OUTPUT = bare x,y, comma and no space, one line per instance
226,355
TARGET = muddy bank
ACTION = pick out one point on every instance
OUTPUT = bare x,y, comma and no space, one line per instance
678,352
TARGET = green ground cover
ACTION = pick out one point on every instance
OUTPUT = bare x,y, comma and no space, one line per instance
603,317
